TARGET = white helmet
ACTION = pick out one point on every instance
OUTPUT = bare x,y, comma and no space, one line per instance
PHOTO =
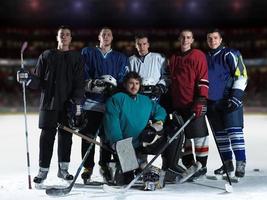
109,79
147,81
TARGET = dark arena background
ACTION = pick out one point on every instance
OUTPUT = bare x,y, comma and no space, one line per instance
243,23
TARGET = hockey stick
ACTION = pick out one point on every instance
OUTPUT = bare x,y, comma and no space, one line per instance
124,149
228,187
111,189
24,46
88,139
63,191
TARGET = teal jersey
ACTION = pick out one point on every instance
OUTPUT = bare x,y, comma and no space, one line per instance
126,116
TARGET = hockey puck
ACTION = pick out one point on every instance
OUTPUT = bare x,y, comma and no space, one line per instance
256,170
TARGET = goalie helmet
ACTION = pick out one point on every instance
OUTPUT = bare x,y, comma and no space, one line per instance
153,179
109,79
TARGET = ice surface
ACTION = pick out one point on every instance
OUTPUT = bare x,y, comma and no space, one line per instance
14,182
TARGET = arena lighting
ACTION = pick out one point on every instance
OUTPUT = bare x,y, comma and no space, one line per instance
236,5
78,4
192,5
135,5
178,3
34,5
120,5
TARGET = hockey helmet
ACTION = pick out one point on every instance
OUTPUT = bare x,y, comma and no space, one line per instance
147,81
109,79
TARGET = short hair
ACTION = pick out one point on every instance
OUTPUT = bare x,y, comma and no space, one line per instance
186,30
63,27
140,36
215,30
133,75
103,28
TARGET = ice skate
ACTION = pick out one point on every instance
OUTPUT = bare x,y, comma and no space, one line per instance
105,172
229,167
41,176
240,169
86,175
198,175
63,171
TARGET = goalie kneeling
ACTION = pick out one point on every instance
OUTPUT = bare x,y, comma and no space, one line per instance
127,115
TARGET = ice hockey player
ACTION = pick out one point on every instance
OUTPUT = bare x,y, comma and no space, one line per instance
189,91
128,114
151,67
228,80
59,75
104,71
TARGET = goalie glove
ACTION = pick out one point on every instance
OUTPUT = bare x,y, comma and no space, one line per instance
151,134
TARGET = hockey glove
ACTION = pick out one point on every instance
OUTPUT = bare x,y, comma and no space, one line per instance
200,107
76,116
235,100
159,90
23,76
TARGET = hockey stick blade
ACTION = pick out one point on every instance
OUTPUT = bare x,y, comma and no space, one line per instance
112,189
228,188
24,46
57,191
63,191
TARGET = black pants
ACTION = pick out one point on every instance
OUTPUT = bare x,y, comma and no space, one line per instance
48,123
93,125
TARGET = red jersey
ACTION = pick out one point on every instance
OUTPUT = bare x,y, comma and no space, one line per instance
189,77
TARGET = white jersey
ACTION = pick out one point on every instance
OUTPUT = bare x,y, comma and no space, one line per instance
152,68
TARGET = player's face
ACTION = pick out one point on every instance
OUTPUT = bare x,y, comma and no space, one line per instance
132,86
142,46
214,40
105,37
64,37
186,40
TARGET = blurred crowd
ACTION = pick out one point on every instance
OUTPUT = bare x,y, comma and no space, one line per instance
251,42
11,98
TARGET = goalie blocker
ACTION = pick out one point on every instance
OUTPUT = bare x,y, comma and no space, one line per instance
152,139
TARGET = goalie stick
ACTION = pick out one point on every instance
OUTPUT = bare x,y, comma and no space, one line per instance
57,191
24,46
111,189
